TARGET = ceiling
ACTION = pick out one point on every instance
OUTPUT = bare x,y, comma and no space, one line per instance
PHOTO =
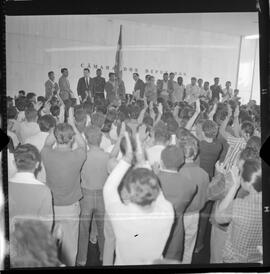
227,23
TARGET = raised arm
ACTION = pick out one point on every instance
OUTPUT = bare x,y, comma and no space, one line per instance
225,123
142,113
78,137
224,204
236,125
160,111
110,191
192,120
212,112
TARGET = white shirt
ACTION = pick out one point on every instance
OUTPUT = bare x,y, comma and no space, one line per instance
27,129
38,141
141,234
192,93
154,154
105,142
165,85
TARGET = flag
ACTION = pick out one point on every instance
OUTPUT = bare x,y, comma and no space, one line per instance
119,56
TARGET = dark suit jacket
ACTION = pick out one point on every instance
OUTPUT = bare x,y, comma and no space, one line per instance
82,87
139,85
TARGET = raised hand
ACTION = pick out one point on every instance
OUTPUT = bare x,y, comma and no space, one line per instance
122,130
198,106
129,152
71,116
38,105
237,111
229,110
160,108
220,167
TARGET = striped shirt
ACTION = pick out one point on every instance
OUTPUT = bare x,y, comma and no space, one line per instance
236,145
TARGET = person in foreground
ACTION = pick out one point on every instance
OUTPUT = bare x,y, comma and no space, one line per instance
244,234
140,215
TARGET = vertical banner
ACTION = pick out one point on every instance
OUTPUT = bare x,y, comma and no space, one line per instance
118,61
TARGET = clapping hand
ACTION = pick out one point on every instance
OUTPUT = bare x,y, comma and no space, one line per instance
220,167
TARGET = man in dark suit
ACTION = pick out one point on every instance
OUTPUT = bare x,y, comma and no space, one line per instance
139,86
51,87
85,86
98,85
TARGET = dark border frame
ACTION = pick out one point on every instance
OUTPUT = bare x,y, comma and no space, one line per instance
49,7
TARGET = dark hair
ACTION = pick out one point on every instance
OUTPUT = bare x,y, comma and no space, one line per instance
134,111
255,143
30,114
111,74
210,129
63,69
46,122
194,78
30,96
135,73
98,119
248,128
32,245
172,157
171,73
172,126
142,185
250,168
41,99
63,133
87,69
161,133
22,92
216,78
93,135
88,107
55,110
106,126
20,103
26,157
12,113
190,147
249,153
148,120
50,72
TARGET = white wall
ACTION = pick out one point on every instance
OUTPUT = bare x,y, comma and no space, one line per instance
38,44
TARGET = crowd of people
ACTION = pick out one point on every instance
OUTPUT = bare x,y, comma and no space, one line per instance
145,175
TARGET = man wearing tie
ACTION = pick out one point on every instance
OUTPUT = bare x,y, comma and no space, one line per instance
84,87
139,86
65,91
51,87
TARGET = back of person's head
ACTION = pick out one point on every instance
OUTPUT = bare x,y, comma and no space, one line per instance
134,111
148,120
140,186
54,101
166,116
172,126
12,113
255,143
46,122
31,115
190,147
93,135
249,153
80,119
32,245
55,111
252,174
21,92
210,129
20,103
161,133
30,96
101,108
111,115
182,133
41,99
107,126
172,157
63,133
88,107
27,157
98,119
247,129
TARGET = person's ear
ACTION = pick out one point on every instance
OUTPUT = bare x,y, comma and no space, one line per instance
125,195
